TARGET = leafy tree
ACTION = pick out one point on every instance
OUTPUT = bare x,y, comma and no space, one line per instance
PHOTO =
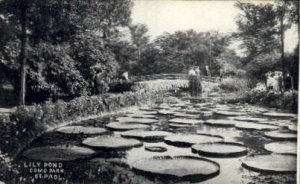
261,27
257,28
230,63
139,38
183,49
53,73
96,63
55,23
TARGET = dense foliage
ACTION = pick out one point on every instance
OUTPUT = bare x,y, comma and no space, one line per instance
261,28
79,48
173,53
68,45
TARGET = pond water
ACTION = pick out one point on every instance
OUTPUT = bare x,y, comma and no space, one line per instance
114,165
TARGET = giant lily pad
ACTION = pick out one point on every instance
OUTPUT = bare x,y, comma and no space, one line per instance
220,149
272,163
249,119
145,112
256,126
190,111
281,135
136,120
221,122
293,128
205,105
230,113
163,106
149,116
125,126
282,147
206,114
111,143
185,115
58,153
190,139
147,108
146,135
181,105
186,168
156,148
81,130
177,125
166,112
279,115
201,109
186,121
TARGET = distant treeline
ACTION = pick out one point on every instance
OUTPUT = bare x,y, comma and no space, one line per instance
78,48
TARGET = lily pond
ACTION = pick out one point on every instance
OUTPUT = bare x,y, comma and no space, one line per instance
179,139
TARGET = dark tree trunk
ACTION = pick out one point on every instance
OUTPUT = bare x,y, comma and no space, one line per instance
282,13
23,53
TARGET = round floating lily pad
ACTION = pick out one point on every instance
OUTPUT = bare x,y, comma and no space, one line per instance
156,148
146,135
284,147
147,108
141,116
271,163
206,114
256,126
190,139
249,119
221,122
177,125
186,121
206,105
230,113
281,135
180,168
205,109
111,143
166,112
279,115
58,153
185,115
136,120
190,111
180,105
163,106
220,149
153,112
81,130
144,112
293,128
125,126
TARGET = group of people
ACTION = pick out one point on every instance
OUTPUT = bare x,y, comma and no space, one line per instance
195,86
276,81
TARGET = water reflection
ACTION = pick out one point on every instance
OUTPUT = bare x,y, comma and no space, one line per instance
114,167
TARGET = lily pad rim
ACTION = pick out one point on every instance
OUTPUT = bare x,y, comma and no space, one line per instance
184,178
124,147
264,171
91,154
74,133
221,155
289,141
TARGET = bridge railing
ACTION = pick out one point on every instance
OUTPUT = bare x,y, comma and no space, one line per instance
173,76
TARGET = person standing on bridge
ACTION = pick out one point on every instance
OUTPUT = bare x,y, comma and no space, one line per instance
195,87
198,82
